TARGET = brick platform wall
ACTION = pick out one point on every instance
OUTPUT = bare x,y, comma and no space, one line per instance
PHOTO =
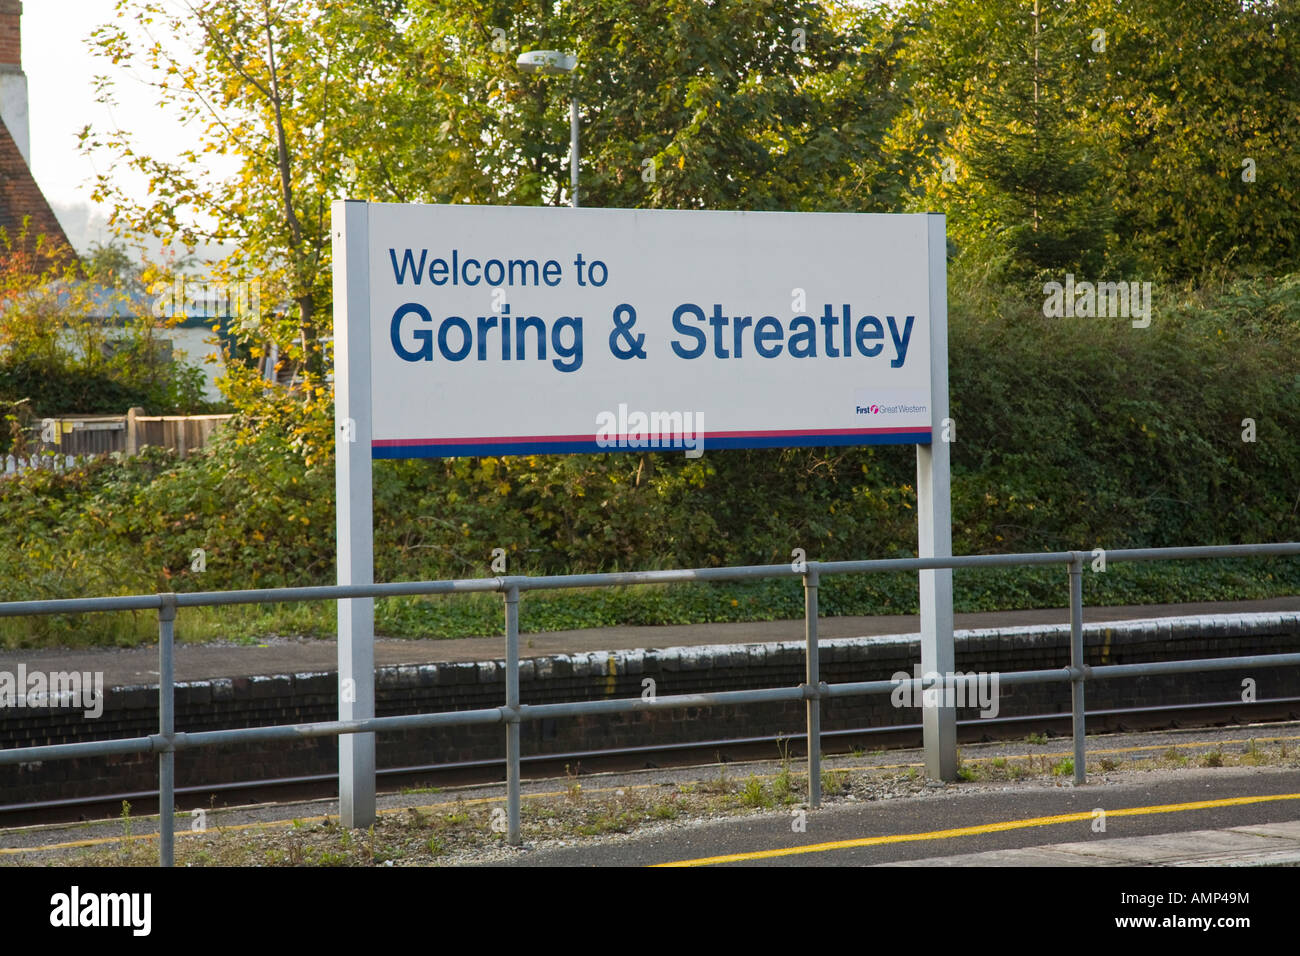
308,697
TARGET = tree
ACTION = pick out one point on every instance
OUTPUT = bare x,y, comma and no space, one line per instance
774,105
1124,129
1199,125
740,105
1018,168
73,338
272,91
268,87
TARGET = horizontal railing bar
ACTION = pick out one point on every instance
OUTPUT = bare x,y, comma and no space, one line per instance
1107,671
84,748
674,576
1279,549
569,755
928,564
144,602
337,592
918,685
137,602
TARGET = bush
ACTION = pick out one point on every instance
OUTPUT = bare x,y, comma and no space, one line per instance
1071,434
59,355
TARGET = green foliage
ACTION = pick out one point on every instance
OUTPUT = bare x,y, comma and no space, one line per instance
70,343
754,794
739,105
1123,153
1019,175
70,387
1061,416
1072,434
1194,90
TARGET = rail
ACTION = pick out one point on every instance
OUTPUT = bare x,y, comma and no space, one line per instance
168,741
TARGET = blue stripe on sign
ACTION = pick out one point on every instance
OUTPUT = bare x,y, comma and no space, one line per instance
591,447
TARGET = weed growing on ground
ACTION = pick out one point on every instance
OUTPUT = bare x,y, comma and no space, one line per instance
783,787
833,782
753,794
127,841
574,788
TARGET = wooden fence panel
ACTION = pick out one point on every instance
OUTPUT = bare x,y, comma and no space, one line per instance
105,434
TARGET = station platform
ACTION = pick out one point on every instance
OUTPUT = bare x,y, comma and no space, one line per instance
285,655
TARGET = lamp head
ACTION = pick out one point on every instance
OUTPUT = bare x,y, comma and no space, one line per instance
546,61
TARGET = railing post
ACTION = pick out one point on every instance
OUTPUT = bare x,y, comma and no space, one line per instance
813,679
1077,663
133,431
167,729
512,722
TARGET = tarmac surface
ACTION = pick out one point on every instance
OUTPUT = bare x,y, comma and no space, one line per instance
1155,819
139,665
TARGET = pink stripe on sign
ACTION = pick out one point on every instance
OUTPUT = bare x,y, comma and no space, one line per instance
521,439
384,442
819,431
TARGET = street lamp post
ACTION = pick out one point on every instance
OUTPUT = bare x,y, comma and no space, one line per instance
552,62
573,150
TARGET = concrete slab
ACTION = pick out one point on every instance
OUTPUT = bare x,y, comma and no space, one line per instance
1028,856
1141,851
1285,831
1271,844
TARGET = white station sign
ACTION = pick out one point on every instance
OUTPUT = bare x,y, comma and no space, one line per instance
499,330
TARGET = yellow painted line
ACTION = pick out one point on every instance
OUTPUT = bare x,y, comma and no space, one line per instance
980,829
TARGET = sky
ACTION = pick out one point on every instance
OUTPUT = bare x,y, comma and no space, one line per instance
60,70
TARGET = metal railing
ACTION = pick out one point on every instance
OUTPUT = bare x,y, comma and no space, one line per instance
167,741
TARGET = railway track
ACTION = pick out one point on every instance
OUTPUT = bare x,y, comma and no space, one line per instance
1182,716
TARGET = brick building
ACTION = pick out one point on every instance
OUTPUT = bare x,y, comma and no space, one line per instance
20,196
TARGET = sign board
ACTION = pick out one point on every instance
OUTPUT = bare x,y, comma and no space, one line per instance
496,330
500,330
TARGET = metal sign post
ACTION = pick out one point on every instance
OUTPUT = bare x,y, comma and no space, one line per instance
934,522
355,504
